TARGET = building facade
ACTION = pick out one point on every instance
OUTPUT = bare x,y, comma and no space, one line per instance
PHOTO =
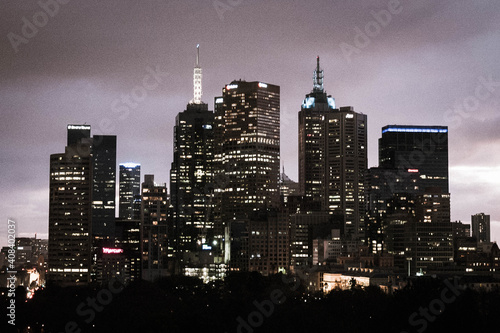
157,252
417,148
333,158
70,211
248,118
481,227
247,161
130,191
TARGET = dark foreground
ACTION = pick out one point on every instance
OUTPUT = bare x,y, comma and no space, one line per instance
249,302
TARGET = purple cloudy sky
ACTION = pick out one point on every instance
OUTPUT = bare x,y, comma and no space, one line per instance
431,63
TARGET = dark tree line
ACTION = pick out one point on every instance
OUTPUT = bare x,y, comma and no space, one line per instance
249,302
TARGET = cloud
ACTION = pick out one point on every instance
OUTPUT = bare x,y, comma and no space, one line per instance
427,59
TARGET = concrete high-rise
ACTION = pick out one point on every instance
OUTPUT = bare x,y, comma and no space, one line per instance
130,191
422,149
333,158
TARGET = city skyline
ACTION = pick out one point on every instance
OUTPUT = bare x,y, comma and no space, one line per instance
377,87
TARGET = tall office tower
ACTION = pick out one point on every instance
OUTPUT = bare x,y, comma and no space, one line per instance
100,151
130,191
70,210
481,227
248,140
103,187
246,160
333,158
346,166
191,181
312,141
422,148
156,253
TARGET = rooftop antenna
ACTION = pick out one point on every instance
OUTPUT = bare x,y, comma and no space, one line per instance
197,76
318,77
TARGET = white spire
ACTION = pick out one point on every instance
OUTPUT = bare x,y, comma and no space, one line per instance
197,76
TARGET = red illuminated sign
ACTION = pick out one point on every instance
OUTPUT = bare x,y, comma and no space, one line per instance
107,250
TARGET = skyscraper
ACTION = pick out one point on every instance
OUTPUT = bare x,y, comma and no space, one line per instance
87,161
70,213
346,167
481,227
103,186
421,149
333,158
246,160
191,180
155,248
312,141
248,140
130,191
